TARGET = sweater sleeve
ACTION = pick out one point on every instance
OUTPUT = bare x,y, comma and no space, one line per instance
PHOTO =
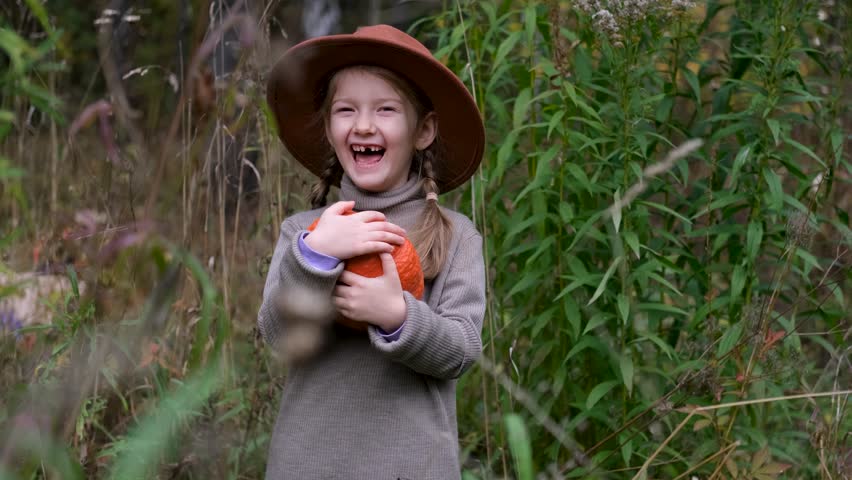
445,342
290,274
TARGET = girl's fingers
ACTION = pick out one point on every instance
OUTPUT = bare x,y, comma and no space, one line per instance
339,208
377,247
340,304
349,278
369,216
385,227
389,238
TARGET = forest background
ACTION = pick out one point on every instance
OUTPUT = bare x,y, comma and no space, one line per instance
664,200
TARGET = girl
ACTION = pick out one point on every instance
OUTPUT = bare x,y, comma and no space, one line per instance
375,113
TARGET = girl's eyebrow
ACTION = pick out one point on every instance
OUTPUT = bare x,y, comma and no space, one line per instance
377,100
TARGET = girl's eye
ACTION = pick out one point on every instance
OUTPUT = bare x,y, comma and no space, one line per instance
343,109
387,109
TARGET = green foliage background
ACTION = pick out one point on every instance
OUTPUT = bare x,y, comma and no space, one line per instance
627,286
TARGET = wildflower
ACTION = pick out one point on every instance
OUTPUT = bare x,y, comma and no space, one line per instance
605,22
612,17
9,322
682,5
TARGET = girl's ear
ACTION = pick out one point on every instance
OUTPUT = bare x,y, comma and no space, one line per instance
427,131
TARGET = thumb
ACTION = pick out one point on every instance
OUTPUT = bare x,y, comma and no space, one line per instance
388,265
339,208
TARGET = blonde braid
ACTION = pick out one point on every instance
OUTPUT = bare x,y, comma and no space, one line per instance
332,174
434,230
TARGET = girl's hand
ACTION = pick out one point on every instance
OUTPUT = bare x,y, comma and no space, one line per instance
378,301
347,236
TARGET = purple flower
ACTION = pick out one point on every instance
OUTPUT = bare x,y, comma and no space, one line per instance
9,322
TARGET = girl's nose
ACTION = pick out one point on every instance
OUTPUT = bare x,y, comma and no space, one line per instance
364,124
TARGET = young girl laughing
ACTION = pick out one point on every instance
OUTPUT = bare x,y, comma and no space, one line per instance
376,114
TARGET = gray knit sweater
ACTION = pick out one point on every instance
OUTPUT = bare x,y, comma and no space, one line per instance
364,407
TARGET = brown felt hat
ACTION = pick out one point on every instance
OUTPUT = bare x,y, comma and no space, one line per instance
299,78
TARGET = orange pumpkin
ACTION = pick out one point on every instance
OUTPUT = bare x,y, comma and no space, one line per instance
370,265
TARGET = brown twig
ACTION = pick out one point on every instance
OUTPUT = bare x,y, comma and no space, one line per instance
125,114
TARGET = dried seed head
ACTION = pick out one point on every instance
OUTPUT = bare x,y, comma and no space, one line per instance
800,228
753,314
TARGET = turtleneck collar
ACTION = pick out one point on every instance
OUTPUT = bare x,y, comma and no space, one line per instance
409,195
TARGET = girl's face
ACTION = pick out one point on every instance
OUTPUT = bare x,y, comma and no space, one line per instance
374,130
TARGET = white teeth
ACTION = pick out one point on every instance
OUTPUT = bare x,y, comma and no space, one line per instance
362,148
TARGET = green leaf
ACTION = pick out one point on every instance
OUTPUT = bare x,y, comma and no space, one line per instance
738,280
837,144
739,162
523,226
730,130
555,121
661,307
666,209
664,109
625,365
140,452
623,307
578,174
505,47
616,213
504,154
729,339
598,392
659,342
522,106
7,171
572,314
605,279
72,276
627,451
584,343
581,104
776,192
16,48
775,128
41,14
543,174
693,82
527,281
807,151
519,445
530,17
632,241
597,320
754,237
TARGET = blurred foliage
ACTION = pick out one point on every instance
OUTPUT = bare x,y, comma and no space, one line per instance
626,286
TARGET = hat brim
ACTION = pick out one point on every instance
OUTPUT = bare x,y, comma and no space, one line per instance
296,78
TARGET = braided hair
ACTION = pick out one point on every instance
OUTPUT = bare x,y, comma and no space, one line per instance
331,174
431,238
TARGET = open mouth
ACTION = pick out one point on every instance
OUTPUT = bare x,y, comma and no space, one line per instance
367,155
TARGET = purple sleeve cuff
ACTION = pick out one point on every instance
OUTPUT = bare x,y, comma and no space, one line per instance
391,337
320,261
